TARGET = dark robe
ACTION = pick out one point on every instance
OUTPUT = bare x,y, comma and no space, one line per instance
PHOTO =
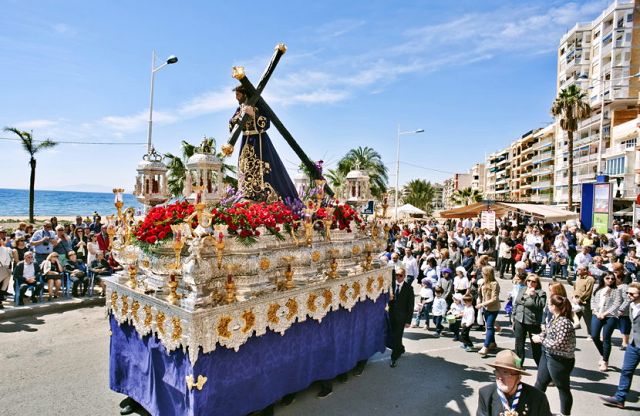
262,175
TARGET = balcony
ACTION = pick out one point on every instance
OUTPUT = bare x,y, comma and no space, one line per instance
541,184
543,157
548,198
544,171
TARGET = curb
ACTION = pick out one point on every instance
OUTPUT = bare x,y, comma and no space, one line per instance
47,308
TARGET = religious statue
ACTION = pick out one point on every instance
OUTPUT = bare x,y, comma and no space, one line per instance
262,175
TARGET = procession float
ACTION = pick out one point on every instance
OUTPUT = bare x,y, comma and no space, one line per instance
230,299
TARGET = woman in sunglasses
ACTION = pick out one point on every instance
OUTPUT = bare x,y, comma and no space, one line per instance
605,302
528,306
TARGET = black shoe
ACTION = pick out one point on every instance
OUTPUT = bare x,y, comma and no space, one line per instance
612,402
394,363
34,299
342,378
1,305
288,399
325,393
267,411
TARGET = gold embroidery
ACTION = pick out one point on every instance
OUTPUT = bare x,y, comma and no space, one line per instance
134,310
125,305
160,322
223,327
249,320
311,302
293,309
251,181
147,315
264,263
114,299
271,314
328,297
176,334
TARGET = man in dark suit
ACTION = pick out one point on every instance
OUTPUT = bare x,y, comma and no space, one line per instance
400,312
632,353
27,274
509,393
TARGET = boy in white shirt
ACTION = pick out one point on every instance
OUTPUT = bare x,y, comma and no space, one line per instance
439,310
468,316
456,312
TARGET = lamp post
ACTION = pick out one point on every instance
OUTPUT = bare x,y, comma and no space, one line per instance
170,60
400,133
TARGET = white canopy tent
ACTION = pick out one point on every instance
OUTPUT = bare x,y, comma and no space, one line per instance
408,209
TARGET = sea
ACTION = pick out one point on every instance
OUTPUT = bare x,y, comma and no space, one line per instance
15,202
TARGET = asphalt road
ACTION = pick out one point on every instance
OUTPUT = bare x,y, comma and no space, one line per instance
58,365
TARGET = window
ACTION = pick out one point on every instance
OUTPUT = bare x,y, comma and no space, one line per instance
615,166
630,17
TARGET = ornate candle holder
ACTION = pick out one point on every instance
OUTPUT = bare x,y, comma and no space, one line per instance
178,243
230,286
366,265
320,190
118,201
333,265
327,221
288,273
111,230
133,273
385,205
308,223
173,296
219,246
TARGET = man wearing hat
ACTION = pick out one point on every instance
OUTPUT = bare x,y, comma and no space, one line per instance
509,396
400,312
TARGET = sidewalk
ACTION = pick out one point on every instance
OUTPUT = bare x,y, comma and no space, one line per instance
12,311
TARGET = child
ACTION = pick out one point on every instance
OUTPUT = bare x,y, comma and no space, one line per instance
461,282
468,316
455,315
439,310
425,303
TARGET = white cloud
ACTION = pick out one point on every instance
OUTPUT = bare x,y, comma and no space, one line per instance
35,124
63,29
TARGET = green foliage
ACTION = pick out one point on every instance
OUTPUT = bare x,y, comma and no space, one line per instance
570,107
370,161
420,194
466,196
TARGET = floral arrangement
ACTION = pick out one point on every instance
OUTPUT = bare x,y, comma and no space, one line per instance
157,224
243,219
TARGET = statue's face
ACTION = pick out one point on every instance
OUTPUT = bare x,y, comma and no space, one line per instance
240,97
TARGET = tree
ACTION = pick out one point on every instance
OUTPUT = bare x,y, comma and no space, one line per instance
466,196
337,180
571,107
367,159
32,147
419,193
177,166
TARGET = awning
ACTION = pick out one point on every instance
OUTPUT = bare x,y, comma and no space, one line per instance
547,213
410,209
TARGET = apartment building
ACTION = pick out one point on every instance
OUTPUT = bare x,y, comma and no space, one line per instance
438,197
541,173
598,57
521,166
459,181
498,175
478,178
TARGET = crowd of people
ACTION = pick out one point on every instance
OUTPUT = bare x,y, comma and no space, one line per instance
72,256
455,266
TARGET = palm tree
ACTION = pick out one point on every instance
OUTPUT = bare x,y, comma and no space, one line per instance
466,196
32,148
419,193
337,180
571,107
370,161
177,168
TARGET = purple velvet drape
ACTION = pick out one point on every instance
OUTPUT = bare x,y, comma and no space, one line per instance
263,370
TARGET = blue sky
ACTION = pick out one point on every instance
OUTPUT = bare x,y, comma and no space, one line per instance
475,75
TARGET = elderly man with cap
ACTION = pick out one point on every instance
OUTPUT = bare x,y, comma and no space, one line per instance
400,312
582,292
509,396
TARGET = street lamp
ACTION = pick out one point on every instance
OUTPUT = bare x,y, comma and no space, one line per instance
400,133
170,60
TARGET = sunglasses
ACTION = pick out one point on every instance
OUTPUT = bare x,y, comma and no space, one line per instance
633,293
608,278
531,281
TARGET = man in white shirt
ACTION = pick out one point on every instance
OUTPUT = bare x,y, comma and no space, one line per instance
583,258
410,265
5,271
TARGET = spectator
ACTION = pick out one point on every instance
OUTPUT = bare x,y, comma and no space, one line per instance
96,225
79,244
624,322
504,254
426,302
605,302
583,258
21,230
511,395
491,305
63,245
528,306
467,321
461,281
26,274
582,292
559,345
446,283
5,271
410,265
439,310
77,224
103,240
558,262
100,267
20,247
52,273
632,354
43,242
92,248
77,273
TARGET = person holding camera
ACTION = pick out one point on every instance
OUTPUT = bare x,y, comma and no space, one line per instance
43,241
